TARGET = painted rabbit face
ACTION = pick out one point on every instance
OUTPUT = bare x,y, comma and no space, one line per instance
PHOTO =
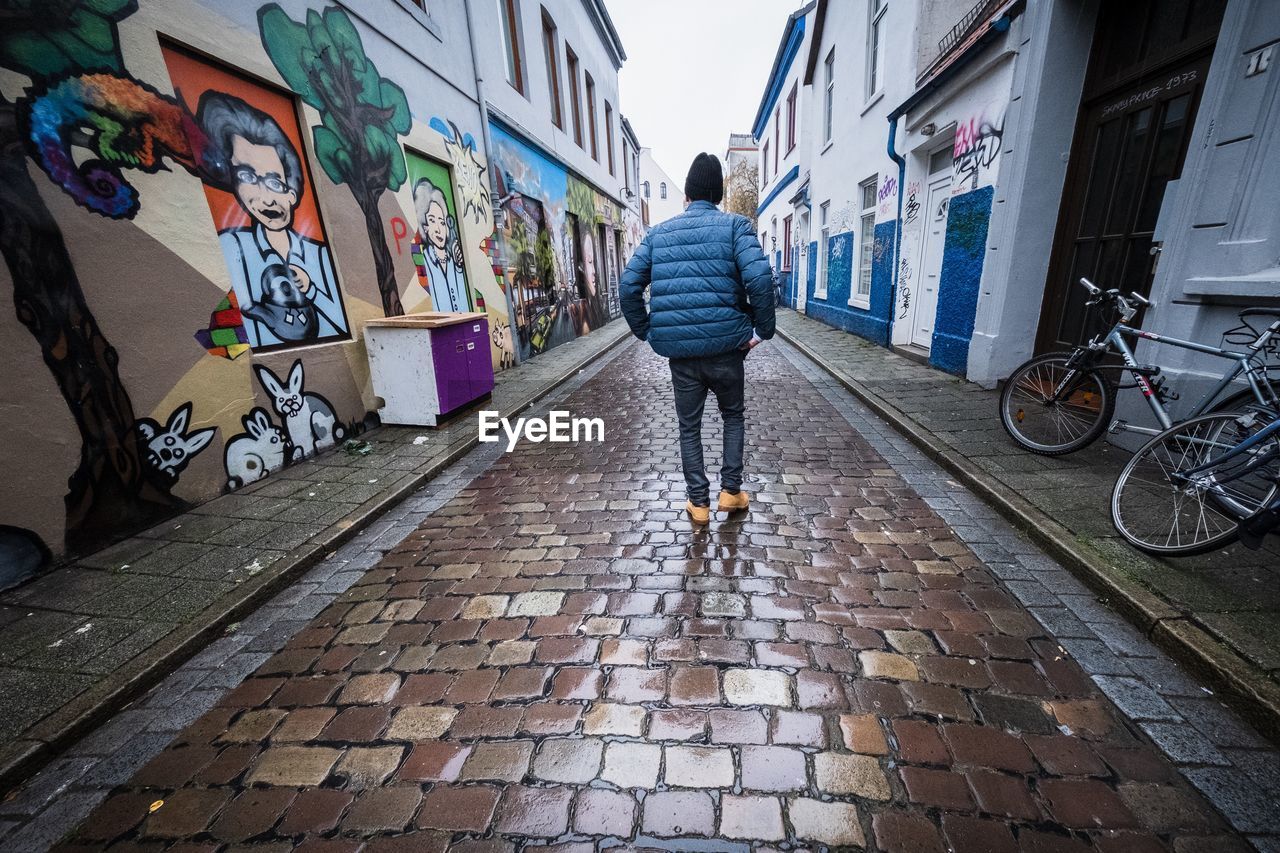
289,399
169,449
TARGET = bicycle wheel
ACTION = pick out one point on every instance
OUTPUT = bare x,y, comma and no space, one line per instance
1162,511
1053,427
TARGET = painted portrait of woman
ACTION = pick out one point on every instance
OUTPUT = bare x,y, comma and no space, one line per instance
442,268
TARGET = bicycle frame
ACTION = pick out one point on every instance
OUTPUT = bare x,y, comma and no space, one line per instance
1116,338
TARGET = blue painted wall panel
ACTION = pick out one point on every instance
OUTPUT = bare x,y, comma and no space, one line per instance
963,253
835,310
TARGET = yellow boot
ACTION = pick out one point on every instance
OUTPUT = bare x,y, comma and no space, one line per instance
733,503
697,514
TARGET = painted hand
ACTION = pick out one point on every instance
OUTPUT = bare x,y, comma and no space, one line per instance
300,278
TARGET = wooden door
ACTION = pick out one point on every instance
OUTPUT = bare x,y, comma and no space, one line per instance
1145,79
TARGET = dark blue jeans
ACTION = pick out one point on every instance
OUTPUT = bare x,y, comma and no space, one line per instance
692,378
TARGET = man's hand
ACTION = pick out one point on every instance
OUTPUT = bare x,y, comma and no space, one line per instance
750,345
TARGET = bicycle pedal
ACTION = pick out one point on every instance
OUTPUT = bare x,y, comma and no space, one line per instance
1118,426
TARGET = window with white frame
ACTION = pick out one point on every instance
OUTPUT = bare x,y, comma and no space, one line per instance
828,104
513,44
875,46
824,249
861,295
764,165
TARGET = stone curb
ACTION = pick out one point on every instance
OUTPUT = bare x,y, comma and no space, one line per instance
21,758
1255,696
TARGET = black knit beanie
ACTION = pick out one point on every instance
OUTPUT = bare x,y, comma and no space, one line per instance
705,181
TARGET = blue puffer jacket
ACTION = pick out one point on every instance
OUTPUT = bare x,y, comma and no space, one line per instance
710,285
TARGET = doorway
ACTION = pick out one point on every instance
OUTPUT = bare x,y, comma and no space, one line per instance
1143,87
924,308
802,274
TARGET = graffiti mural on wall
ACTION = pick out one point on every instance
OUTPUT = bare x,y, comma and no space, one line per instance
467,171
977,144
261,196
551,248
130,123
121,123
308,424
362,114
170,448
436,246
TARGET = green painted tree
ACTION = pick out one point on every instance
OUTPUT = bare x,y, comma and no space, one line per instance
361,116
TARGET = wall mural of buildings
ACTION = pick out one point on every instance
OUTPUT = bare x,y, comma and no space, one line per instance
559,246
195,228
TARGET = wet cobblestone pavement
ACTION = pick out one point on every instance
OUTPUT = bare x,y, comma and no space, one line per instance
554,659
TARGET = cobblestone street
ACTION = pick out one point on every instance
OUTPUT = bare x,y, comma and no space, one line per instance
554,659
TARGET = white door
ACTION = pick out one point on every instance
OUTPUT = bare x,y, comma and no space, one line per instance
802,262
935,231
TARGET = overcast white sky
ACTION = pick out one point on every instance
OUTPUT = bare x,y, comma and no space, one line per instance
695,70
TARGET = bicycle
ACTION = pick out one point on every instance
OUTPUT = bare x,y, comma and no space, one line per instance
1200,484
1061,402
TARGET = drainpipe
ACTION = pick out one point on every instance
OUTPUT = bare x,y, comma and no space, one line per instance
897,227
494,209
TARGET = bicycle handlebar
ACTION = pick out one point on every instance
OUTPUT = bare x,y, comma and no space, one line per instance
1128,305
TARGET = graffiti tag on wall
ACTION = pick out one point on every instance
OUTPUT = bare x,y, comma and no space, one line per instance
911,204
977,145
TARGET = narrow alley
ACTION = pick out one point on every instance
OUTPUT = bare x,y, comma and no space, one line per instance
555,660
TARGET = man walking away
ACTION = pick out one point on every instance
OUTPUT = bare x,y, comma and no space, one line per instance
711,286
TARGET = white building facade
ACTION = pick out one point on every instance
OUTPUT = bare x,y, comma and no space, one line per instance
782,217
663,193
1014,147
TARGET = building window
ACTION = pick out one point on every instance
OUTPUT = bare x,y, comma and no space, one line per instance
626,158
553,69
861,295
764,164
511,42
591,118
646,189
791,117
662,189
777,137
824,250
608,134
575,99
875,46
773,238
829,69
786,244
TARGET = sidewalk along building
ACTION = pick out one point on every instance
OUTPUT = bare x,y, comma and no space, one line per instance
1022,146
662,192
195,232
550,72
782,219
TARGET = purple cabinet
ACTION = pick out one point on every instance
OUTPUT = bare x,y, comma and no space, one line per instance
429,364
463,365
